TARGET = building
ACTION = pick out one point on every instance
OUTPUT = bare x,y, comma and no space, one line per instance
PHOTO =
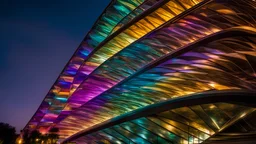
159,71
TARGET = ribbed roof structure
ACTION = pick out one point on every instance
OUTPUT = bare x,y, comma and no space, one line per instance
143,53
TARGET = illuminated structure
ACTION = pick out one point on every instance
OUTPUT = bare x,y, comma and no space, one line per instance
159,71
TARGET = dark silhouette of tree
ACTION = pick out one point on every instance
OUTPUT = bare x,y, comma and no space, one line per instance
7,134
35,137
25,137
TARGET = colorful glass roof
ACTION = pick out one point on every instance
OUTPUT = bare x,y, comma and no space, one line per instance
140,53
185,125
71,75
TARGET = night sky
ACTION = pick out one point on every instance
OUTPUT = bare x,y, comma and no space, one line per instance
37,38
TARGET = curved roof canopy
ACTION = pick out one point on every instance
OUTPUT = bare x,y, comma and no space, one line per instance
142,52
210,116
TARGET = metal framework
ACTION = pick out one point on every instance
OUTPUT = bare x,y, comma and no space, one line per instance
142,53
191,119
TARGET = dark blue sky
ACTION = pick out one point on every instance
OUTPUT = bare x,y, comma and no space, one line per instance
37,38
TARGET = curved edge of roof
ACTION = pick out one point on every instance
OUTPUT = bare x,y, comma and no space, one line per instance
241,97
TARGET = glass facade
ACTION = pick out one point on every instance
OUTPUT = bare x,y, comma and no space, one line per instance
143,52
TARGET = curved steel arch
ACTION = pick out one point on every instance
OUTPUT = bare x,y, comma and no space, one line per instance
238,97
